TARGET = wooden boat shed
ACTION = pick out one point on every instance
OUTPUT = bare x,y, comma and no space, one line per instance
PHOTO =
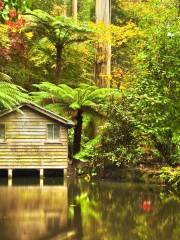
31,137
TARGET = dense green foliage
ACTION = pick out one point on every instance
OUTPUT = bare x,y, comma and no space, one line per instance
146,110
171,176
146,120
46,45
59,31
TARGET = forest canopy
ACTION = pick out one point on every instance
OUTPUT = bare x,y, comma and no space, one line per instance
116,75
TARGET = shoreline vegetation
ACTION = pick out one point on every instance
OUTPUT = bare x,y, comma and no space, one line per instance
161,175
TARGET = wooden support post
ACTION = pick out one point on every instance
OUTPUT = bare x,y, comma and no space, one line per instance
41,177
65,172
41,182
65,175
41,173
10,173
9,182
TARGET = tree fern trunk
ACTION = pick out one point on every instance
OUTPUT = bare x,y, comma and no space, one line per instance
59,49
78,132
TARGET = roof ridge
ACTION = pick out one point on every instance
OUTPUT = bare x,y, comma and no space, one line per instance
55,114
41,110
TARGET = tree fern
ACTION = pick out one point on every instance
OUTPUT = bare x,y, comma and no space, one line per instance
11,95
60,31
77,101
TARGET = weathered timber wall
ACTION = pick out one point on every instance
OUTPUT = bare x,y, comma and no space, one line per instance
26,142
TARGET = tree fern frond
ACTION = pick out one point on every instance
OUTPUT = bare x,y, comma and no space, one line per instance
4,77
83,97
10,94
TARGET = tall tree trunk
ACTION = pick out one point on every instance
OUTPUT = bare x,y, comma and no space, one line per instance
78,132
74,8
103,51
59,49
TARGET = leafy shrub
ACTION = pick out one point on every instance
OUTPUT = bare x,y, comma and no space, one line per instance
171,176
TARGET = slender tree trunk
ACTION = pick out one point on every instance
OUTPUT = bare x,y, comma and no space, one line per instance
78,132
59,49
103,51
74,8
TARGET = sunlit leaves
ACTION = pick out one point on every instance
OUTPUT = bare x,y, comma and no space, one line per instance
85,97
114,35
58,29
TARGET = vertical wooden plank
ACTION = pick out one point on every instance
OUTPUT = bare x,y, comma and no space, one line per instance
10,173
65,176
41,173
9,182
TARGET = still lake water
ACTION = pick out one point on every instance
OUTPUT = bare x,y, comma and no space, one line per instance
87,211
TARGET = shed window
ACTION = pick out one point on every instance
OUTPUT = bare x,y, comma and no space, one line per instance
2,132
53,132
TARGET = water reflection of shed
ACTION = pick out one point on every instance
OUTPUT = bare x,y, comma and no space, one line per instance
33,213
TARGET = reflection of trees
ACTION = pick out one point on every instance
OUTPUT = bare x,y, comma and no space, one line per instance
78,221
75,219
114,211
97,211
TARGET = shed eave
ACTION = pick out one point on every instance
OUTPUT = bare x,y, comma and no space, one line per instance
41,110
